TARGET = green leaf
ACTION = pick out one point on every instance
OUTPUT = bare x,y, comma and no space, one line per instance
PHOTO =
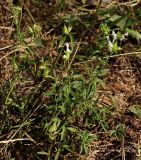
36,29
62,41
105,29
72,129
30,30
69,29
134,34
18,8
136,110
57,154
67,147
120,21
72,40
62,109
86,138
54,127
63,132
46,73
65,30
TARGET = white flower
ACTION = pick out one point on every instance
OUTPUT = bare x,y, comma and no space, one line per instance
110,44
126,34
67,52
114,36
67,47
123,36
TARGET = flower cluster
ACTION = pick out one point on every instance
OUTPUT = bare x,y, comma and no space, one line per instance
113,44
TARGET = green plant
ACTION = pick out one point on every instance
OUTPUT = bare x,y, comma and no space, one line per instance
86,138
57,78
44,69
113,39
136,110
17,16
67,42
119,131
35,31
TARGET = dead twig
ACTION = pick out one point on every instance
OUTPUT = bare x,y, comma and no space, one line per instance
6,47
14,140
7,28
124,54
75,53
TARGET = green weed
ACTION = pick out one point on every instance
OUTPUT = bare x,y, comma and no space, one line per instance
54,100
